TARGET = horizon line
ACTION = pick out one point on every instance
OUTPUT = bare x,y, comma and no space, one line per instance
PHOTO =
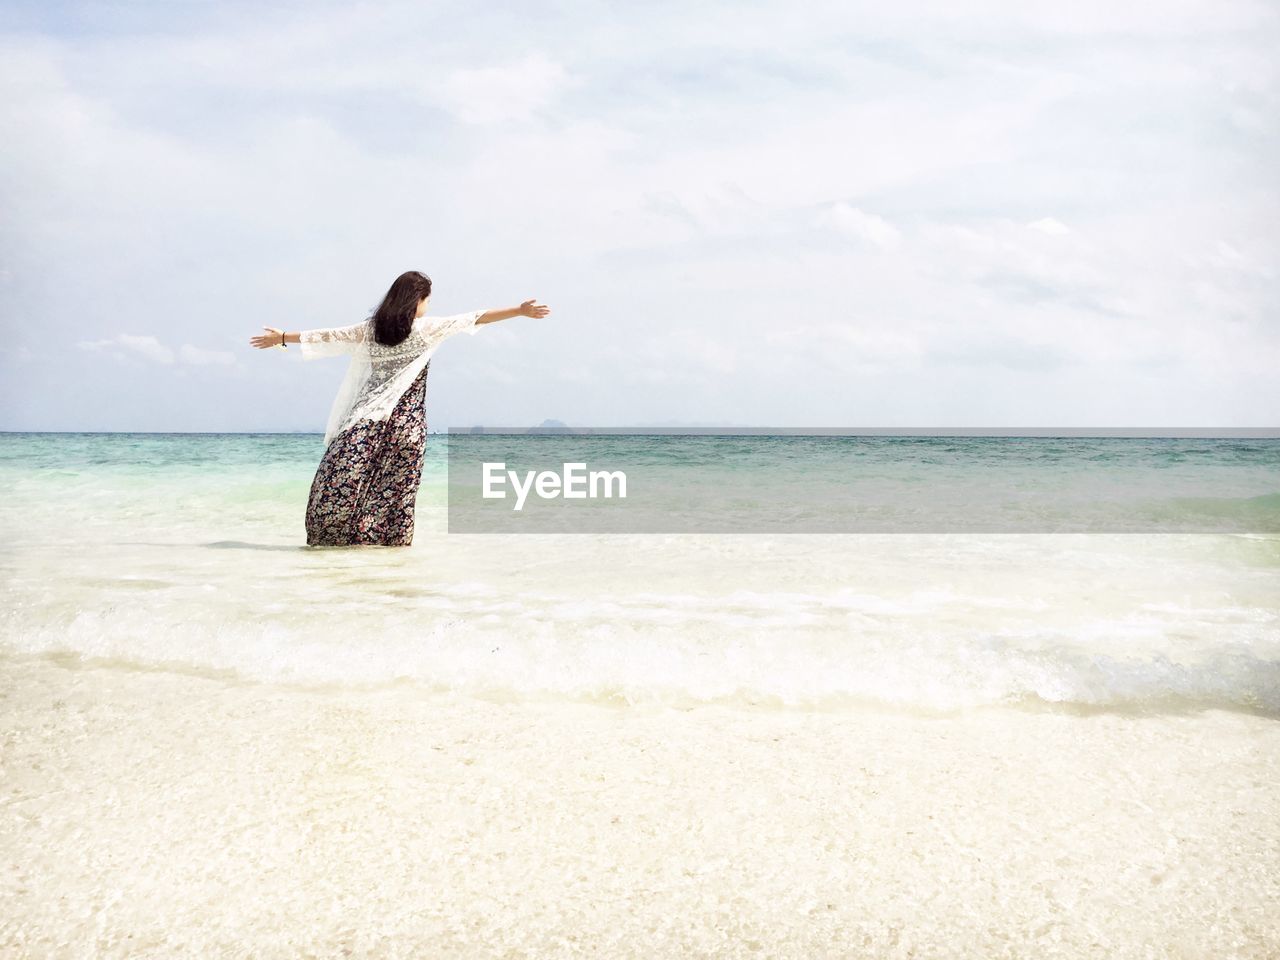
1260,433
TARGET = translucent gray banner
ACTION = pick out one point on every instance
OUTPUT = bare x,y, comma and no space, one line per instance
891,480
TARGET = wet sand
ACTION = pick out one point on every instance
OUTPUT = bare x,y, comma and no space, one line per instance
160,814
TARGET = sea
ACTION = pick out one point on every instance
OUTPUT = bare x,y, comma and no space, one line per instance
187,553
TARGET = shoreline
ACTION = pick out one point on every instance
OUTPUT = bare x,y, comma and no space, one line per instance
163,814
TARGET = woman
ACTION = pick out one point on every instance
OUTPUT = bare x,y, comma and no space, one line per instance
365,487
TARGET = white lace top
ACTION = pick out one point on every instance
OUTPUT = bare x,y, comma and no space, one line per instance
378,375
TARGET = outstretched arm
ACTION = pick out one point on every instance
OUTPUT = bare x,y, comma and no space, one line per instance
273,338
318,342
530,308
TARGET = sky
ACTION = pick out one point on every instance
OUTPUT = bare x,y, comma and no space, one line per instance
847,214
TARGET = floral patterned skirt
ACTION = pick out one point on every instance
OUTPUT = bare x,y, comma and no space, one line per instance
367,482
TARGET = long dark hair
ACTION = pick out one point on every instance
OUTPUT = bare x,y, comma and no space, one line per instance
393,319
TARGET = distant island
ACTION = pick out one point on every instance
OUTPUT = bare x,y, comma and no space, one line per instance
553,426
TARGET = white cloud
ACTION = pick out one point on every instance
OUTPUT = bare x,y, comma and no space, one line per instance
146,347
863,226
768,213
495,94
1050,226
198,356
151,349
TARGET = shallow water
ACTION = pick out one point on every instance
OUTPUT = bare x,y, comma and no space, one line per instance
186,553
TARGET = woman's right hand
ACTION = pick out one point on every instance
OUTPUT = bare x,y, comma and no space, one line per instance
531,308
273,338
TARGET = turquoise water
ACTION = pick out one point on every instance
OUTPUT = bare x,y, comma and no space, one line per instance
875,484
187,552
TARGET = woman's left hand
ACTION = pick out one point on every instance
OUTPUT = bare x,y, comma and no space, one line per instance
273,338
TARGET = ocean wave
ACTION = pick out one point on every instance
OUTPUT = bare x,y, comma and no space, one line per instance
738,659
